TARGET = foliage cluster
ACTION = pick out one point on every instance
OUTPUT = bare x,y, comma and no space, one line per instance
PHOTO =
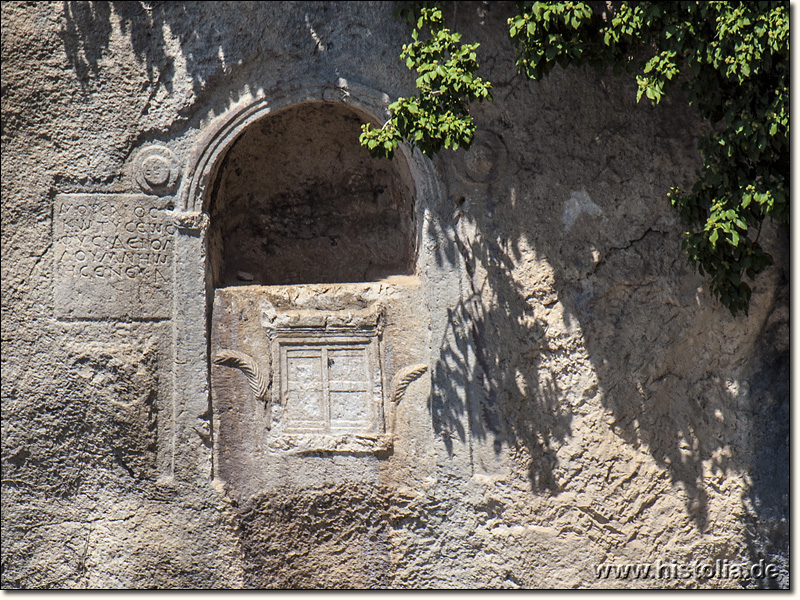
438,116
731,60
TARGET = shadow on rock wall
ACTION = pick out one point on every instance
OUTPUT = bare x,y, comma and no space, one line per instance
88,30
672,372
221,41
508,396
768,529
676,376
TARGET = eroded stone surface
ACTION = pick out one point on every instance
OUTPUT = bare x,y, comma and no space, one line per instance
571,395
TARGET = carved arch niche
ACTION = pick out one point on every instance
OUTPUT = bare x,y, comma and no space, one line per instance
312,276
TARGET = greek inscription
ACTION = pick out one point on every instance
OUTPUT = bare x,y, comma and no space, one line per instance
116,248
115,252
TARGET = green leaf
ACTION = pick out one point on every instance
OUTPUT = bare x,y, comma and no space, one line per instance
733,62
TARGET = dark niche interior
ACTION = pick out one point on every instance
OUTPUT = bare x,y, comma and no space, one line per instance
297,200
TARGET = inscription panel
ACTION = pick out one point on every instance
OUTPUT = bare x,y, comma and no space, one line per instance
113,256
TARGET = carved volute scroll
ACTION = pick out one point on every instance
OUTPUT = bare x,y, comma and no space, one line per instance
259,383
400,382
403,379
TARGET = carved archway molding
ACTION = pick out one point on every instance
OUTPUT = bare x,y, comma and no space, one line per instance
223,132
188,452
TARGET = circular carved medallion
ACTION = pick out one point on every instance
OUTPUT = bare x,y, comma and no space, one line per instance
486,158
157,170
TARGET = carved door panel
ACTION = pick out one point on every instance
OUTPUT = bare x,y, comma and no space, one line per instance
316,323
310,369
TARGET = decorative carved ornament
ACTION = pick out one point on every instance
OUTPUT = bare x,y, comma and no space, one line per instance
259,384
157,170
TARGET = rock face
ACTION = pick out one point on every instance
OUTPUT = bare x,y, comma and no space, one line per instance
238,352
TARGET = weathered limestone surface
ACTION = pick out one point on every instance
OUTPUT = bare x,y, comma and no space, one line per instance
113,257
237,352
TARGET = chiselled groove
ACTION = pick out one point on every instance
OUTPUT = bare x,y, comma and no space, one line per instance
247,365
404,378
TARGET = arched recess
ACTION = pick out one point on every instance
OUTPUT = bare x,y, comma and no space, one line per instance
356,198
388,190
297,200
204,163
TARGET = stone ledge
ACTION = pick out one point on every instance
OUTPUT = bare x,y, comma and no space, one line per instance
346,443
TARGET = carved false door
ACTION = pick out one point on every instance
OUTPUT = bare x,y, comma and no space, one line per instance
310,370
